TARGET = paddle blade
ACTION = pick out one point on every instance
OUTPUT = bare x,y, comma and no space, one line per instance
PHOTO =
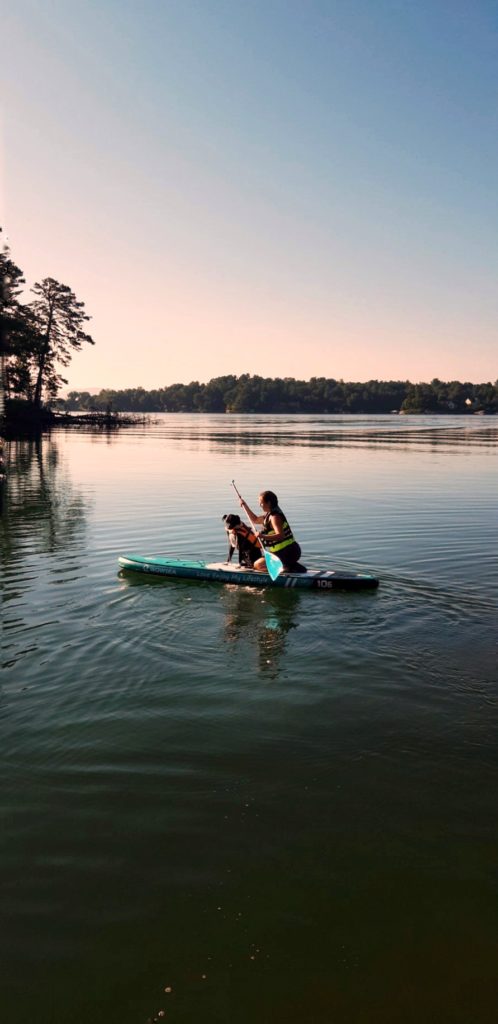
273,564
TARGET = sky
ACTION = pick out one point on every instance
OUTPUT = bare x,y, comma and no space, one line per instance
290,189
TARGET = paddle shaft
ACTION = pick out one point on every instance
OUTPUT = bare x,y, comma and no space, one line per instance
260,542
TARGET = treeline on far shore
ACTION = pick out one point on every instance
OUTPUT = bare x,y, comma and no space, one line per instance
253,394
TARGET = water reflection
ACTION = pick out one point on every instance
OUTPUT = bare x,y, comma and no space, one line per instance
261,620
248,434
256,621
41,509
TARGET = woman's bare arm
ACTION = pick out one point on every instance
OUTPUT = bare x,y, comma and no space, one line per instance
254,518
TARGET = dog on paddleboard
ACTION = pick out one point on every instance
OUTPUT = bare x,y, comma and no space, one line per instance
241,538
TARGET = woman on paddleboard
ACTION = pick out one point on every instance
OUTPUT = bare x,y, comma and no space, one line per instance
276,534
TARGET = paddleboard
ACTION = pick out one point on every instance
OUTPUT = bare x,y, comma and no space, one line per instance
225,572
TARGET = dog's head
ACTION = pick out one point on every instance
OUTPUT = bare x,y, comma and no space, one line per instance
231,521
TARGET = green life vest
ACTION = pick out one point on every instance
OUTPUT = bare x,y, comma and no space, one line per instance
268,532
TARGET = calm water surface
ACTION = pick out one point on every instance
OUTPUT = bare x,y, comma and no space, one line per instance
279,805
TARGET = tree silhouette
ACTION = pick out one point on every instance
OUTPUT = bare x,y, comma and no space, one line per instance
59,319
16,327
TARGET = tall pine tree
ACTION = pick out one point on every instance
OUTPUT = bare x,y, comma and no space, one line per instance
59,319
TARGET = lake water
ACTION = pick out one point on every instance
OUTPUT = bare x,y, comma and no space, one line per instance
281,806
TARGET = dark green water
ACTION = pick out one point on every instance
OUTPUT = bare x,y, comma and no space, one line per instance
280,805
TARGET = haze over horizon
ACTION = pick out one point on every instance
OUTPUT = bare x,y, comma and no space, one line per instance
286,189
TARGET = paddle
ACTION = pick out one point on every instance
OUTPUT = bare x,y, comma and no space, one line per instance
273,563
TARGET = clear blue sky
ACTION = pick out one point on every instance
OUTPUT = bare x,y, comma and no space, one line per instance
292,189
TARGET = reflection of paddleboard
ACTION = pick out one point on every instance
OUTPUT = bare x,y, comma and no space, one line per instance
222,572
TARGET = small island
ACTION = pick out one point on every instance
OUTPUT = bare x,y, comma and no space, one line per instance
319,395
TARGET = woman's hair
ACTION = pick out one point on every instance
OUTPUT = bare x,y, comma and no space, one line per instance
269,498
